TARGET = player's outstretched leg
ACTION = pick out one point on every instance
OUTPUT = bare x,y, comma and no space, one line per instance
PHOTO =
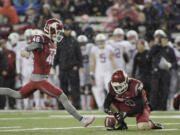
85,121
10,92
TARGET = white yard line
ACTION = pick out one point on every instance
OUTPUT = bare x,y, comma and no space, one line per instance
10,127
35,129
69,116
68,128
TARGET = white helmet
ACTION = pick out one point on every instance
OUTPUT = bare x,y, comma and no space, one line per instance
82,38
100,37
14,38
37,32
160,32
132,33
177,40
27,33
118,31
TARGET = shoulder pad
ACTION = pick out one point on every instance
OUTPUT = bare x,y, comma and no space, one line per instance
37,39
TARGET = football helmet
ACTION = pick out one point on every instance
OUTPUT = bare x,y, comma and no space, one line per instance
100,37
119,81
160,32
82,39
37,32
176,101
132,36
13,38
118,31
119,34
54,28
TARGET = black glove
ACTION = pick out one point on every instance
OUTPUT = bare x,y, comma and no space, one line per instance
120,116
121,126
108,111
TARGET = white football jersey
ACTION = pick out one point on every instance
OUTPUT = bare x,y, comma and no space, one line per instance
119,47
131,51
85,76
177,53
102,57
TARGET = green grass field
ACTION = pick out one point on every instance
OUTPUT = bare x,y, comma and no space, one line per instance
61,123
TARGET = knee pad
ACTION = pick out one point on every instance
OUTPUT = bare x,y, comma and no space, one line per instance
144,125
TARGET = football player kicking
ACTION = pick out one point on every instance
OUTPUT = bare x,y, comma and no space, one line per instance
127,98
43,48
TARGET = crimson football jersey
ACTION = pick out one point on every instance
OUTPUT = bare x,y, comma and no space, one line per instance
126,101
43,58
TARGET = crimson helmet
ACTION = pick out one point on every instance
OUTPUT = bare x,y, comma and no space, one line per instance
119,81
176,101
54,28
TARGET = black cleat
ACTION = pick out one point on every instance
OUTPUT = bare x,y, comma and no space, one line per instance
157,126
121,126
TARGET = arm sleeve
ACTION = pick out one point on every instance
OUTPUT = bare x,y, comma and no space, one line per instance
109,99
134,66
79,55
125,57
139,101
173,60
56,58
33,46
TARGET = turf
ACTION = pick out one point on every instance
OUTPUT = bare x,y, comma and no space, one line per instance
60,123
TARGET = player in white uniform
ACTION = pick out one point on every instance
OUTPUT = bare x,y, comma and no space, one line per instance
102,65
132,37
13,44
175,76
85,78
119,45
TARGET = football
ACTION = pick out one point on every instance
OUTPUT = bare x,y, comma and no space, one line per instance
110,122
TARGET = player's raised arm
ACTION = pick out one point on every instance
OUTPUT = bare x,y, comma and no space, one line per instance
35,44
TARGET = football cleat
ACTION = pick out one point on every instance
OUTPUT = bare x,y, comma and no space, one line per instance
86,121
157,126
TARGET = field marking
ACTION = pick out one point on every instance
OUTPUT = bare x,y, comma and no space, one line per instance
35,129
69,116
68,128
81,111
10,127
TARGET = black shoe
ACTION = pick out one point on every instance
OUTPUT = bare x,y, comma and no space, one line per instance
157,126
121,126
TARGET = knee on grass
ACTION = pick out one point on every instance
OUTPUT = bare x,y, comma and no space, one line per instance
144,125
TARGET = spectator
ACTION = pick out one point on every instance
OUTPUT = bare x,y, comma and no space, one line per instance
3,73
112,19
46,14
158,4
31,16
63,7
69,59
83,7
176,19
168,17
23,5
86,28
10,11
99,7
129,11
152,18
5,27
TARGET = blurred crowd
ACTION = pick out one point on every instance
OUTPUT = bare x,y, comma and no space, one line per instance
138,36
